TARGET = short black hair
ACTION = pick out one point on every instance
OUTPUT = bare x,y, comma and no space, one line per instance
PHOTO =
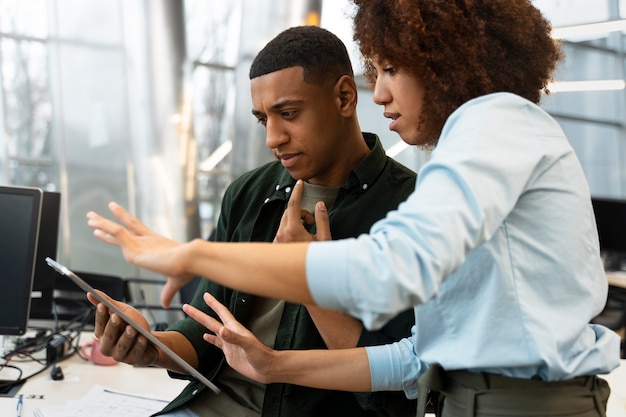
321,54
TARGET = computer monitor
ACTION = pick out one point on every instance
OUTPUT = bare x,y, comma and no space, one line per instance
41,307
20,210
611,223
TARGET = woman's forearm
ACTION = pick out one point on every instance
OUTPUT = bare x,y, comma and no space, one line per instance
283,280
340,369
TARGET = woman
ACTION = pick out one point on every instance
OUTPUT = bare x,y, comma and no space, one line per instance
496,249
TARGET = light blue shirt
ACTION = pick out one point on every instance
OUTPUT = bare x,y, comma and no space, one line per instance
496,249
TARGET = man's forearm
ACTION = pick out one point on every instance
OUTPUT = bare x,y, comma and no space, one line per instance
179,344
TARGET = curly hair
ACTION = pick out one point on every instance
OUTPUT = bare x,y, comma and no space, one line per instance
459,49
321,54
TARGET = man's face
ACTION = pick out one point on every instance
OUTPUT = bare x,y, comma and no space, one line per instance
302,124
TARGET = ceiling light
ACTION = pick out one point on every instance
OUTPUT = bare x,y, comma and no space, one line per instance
592,85
589,29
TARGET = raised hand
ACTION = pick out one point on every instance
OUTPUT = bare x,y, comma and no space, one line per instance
243,351
142,247
294,218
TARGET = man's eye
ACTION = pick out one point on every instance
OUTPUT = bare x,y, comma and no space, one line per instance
261,121
288,113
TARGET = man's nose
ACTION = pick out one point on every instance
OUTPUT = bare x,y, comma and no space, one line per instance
275,135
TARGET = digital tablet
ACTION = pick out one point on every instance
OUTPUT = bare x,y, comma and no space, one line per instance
169,352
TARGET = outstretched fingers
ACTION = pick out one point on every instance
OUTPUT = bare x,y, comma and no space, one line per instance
133,224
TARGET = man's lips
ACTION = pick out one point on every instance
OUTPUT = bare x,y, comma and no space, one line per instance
289,159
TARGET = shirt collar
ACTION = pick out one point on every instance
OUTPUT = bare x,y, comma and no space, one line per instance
366,171
364,174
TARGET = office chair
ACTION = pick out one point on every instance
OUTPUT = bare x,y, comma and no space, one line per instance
70,300
135,296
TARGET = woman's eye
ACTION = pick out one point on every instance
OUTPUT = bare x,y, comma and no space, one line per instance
389,70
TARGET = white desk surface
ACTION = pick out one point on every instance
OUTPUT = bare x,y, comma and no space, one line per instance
81,375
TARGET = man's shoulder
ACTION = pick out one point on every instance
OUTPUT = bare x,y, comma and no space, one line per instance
397,166
398,173
265,175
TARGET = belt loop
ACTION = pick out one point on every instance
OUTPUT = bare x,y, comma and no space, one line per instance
470,402
431,379
596,391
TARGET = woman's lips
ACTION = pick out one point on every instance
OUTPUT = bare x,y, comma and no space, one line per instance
394,119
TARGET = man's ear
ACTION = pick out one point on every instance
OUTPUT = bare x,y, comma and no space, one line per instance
347,93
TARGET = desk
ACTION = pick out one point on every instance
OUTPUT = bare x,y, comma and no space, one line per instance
81,375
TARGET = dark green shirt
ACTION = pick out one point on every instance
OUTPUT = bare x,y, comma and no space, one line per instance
251,211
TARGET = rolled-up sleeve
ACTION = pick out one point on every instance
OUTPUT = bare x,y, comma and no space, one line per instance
395,367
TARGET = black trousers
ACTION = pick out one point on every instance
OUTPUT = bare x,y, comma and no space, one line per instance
468,394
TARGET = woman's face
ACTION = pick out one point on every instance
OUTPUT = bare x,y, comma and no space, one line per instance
402,95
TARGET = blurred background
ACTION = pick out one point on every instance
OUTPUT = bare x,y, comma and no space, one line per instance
147,103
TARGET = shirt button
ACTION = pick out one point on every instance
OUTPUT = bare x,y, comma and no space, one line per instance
364,186
288,190
243,300
194,392
278,187
266,200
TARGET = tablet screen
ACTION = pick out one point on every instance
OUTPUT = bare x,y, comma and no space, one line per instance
169,352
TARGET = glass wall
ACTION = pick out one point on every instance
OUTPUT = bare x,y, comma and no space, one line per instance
121,100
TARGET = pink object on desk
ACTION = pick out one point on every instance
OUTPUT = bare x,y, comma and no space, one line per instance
91,351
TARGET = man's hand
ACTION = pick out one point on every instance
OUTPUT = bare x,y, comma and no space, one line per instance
338,330
294,218
119,340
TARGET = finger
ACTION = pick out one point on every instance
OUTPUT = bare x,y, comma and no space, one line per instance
101,320
169,291
293,210
131,222
111,334
204,319
124,344
93,300
307,218
220,309
291,220
104,229
322,224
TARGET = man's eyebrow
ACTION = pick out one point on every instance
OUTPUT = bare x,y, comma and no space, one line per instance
284,103
278,106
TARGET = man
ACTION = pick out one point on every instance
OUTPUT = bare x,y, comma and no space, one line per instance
304,95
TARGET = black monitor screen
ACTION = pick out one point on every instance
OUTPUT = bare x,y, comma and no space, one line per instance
20,208
611,221
41,306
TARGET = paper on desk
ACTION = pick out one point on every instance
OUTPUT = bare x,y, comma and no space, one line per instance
101,401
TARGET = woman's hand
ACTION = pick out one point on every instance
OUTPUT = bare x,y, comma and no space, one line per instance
243,351
142,247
